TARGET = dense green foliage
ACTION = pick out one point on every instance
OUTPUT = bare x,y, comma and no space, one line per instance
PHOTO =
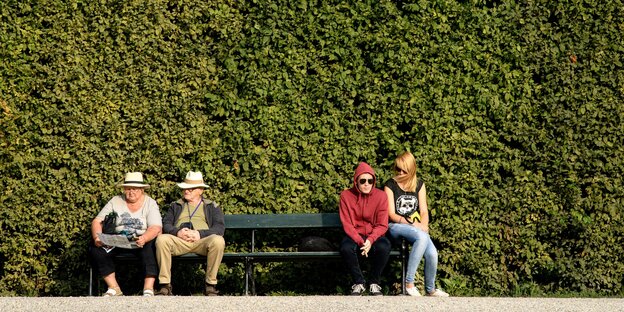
512,108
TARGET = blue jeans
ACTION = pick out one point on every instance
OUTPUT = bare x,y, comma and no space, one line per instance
421,246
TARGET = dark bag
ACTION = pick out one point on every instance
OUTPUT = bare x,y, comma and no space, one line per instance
109,223
315,243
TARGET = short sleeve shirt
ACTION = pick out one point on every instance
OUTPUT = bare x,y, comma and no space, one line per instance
132,222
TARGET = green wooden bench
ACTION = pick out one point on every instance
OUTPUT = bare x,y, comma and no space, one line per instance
254,223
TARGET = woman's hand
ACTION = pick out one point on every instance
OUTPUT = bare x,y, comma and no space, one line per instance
141,241
98,242
421,226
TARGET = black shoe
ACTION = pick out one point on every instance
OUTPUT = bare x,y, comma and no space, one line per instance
211,290
165,290
357,289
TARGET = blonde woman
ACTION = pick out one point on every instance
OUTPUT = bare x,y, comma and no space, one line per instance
409,219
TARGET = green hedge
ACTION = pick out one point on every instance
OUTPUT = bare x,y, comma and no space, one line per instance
513,110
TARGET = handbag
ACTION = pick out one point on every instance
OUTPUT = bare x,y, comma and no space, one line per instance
109,223
316,243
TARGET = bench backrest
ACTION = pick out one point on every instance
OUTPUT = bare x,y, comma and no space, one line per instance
279,221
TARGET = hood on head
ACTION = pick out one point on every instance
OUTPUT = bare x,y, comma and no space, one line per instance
363,168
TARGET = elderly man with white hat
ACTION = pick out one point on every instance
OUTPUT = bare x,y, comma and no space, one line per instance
192,224
137,216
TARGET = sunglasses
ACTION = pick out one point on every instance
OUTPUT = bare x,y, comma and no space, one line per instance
370,181
128,189
399,170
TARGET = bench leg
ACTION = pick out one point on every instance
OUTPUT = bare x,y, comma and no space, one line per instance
90,281
249,277
404,253
247,274
253,280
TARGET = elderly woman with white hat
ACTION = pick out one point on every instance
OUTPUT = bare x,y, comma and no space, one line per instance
192,224
138,217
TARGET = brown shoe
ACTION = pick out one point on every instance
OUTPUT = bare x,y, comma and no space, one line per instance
165,290
211,290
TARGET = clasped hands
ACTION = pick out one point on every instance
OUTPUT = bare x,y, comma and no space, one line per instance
189,235
366,248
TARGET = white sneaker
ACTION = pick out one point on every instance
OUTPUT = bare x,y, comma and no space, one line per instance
148,293
113,292
412,291
357,290
438,293
375,290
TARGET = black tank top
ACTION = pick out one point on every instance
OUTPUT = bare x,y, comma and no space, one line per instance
405,203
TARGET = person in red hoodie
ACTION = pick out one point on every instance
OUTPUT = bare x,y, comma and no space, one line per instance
364,217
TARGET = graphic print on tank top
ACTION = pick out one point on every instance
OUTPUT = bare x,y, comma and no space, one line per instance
407,206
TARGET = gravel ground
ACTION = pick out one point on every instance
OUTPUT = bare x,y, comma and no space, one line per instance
308,303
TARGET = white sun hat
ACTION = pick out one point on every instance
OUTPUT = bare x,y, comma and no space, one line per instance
193,179
134,179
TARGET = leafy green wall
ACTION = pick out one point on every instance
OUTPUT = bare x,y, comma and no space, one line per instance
513,110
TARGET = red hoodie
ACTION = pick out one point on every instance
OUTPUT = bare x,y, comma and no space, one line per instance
364,216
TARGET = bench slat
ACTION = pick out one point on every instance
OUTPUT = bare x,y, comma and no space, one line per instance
276,255
283,221
124,257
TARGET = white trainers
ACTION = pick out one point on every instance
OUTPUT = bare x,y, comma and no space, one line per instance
113,292
148,293
438,293
412,291
375,290
357,289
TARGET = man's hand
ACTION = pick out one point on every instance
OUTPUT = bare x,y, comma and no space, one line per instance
193,236
366,248
183,233
189,235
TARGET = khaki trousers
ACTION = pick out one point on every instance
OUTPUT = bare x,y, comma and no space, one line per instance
168,245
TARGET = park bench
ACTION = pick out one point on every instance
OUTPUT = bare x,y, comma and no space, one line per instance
257,222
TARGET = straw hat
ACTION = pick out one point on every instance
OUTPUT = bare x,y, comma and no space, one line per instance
193,179
134,179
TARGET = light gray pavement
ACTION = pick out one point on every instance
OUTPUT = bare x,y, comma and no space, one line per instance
307,303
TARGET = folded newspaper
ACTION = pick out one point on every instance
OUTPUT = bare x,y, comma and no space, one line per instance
116,240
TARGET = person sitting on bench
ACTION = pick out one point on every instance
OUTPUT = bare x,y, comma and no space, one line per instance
137,216
192,224
364,217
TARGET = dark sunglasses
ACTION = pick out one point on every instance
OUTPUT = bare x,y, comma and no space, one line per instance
370,181
399,170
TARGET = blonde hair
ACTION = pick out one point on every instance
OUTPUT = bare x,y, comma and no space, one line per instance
407,163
